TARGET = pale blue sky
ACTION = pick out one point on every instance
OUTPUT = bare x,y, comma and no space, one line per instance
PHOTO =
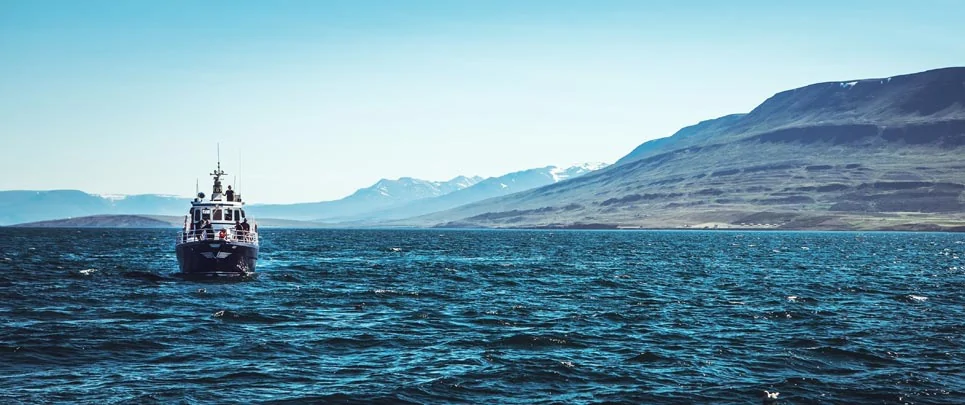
324,97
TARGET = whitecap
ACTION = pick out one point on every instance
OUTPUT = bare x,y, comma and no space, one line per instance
917,298
792,298
87,272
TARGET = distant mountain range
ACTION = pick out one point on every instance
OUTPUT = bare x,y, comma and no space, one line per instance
383,194
29,206
488,188
149,221
386,199
884,153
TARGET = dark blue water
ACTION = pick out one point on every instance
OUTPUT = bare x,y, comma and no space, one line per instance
487,317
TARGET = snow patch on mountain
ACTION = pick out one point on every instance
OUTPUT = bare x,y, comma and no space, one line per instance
409,188
560,173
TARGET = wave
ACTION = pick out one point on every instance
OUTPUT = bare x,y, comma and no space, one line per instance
524,340
250,317
857,355
649,357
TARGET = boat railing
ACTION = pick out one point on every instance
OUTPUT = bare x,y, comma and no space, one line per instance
228,235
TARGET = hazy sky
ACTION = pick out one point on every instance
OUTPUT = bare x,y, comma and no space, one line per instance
323,97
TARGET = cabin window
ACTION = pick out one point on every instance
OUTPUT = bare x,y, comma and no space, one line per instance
227,215
238,215
196,215
217,214
242,213
206,214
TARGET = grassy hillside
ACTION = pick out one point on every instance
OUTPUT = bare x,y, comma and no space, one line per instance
872,154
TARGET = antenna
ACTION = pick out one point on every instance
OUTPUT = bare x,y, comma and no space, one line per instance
240,166
216,189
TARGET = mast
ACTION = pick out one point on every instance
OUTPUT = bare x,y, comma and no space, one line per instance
216,189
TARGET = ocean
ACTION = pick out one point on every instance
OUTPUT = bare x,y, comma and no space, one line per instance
487,317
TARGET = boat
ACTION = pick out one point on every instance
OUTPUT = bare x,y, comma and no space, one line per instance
217,240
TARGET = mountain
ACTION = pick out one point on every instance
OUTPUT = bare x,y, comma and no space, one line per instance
488,188
381,195
405,189
20,206
149,203
108,221
148,221
406,197
859,154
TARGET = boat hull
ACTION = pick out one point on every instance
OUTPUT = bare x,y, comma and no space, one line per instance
216,258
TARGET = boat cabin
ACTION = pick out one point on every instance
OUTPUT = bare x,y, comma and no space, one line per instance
224,207
222,213
216,212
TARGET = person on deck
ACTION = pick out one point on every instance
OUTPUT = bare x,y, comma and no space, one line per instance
208,230
247,229
230,194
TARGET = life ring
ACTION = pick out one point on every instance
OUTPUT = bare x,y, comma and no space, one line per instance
223,234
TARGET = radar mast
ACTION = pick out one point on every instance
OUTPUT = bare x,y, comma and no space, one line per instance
216,190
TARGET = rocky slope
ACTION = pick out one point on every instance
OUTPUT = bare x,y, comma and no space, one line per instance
883,153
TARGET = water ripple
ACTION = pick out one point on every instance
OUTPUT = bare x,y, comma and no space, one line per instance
373,316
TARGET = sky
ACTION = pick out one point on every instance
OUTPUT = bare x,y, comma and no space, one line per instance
311,100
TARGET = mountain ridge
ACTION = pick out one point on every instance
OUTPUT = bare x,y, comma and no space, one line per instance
833,155
863,154
147,221
31,206
376,201
488,188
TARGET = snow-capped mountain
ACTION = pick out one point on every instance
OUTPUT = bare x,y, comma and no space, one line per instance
409,189
488,188
528,179
564,173
384,194
386,199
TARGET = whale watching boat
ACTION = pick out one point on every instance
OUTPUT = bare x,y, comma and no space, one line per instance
217,239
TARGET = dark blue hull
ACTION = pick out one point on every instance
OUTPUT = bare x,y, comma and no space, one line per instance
216,258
